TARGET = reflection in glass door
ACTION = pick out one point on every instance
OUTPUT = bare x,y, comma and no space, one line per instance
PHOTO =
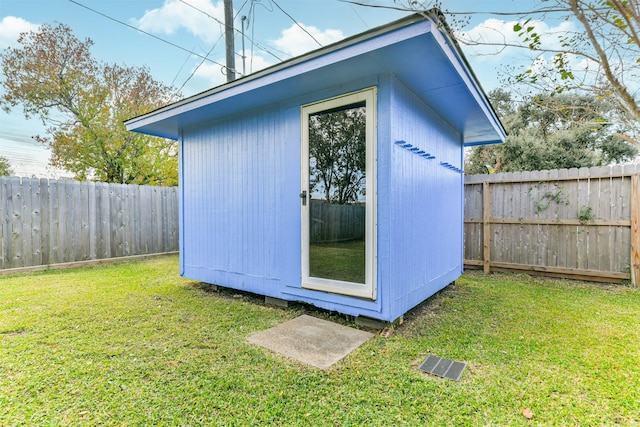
337,188
337,204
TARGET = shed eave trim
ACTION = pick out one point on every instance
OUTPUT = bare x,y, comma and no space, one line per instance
270,75
456,57
167,121
475,143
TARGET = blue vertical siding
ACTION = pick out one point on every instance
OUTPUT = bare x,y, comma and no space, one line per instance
383,200
425,235
232,185
240,148
241,210
240,186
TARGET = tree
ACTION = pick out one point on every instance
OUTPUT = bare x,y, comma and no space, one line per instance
5,167
84,103
601,57
608,48
550,132
337,145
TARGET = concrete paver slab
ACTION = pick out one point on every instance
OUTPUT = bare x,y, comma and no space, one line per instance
313,341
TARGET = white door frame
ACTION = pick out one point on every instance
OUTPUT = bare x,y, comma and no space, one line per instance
362,290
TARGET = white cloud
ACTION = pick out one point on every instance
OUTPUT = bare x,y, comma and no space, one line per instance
587,64
212,73
175,15
10,29
488,39
295,41
253,64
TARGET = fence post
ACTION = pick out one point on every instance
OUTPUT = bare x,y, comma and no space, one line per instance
634,199
486,227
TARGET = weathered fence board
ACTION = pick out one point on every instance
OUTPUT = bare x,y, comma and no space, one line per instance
46,222
334,222
635,229
573,223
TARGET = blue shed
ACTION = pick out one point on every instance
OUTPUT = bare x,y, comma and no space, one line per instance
334,178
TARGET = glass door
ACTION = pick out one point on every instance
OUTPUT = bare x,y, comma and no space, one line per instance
337,197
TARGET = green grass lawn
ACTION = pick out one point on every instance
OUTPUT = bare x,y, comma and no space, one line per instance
338,260
133,344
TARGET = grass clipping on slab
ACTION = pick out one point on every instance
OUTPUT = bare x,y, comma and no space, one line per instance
134,344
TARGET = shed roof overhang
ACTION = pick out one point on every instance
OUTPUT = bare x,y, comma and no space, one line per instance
418,50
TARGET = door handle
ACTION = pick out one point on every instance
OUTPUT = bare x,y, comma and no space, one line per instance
303,196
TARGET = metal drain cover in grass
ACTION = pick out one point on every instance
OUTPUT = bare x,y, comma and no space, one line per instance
441,367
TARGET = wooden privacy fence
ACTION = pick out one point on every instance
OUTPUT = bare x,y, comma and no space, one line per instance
575,223
334,222
45,222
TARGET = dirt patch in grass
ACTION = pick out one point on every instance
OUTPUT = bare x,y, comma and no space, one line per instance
432,305
14,332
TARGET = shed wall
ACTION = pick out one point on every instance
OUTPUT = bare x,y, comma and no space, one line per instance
234,205
426,204
240,205
241,212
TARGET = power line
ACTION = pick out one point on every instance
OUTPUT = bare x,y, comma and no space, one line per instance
296,22
214,44
148,34
254,43
252,40
210,50
253,28
201,62
235,29
358,15
252,22
181,68
448,12
202,11
264,49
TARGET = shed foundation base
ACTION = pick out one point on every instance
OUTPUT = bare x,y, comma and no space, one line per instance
368,322
277,302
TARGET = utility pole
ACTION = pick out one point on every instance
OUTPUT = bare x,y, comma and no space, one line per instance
244,57
228,36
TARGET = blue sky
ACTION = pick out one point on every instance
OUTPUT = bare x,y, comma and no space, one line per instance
179,22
